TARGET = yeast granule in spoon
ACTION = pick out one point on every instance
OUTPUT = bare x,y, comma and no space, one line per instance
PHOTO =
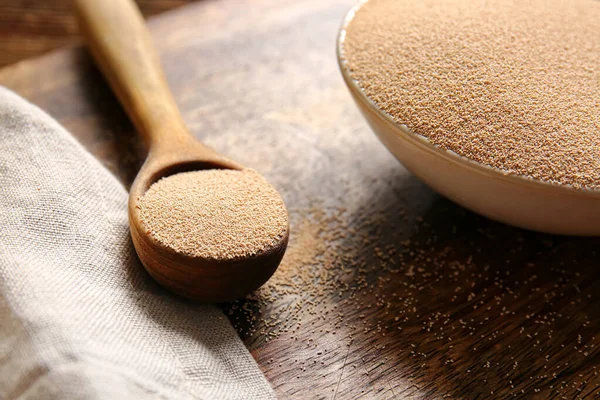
514,85
214,214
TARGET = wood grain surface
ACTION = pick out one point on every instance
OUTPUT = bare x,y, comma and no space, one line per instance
29,28
387,291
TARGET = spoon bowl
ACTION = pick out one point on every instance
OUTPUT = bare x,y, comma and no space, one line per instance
123,50
515,200
195,277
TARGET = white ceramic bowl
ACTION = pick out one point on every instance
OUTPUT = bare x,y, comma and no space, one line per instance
515,200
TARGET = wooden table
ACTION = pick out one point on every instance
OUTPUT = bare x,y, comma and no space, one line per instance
399,293
30,28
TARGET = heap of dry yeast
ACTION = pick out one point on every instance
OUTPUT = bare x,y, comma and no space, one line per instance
216,214
514,85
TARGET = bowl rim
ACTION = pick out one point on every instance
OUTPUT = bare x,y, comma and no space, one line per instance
424,143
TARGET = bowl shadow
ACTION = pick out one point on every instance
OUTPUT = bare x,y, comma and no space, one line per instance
467,306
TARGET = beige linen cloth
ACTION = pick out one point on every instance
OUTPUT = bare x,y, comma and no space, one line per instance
79,317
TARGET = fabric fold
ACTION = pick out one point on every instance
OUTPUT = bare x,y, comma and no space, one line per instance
79,316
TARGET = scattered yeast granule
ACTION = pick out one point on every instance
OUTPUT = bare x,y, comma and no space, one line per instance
215,214
514,85
402,297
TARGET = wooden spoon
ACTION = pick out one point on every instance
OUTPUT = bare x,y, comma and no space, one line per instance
124,52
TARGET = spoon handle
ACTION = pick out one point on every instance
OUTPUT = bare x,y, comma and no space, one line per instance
122,47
